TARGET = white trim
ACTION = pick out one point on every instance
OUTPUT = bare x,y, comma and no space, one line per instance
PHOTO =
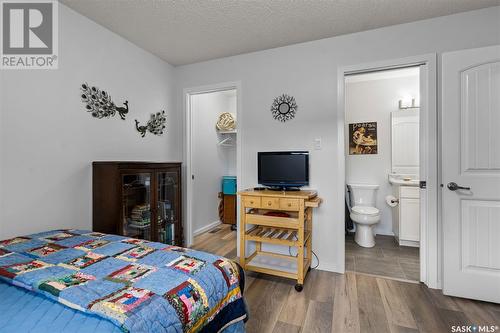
409,243
384,233
187,92
206,228
430,233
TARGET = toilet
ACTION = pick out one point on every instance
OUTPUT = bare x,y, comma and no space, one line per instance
363,213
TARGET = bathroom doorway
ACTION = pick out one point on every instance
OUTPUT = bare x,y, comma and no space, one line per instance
382,173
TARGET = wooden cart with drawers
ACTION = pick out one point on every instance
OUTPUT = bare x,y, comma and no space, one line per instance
279,218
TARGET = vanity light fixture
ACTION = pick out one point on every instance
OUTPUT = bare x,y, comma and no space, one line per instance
405,104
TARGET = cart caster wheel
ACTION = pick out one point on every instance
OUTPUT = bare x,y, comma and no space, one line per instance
309,269
299,287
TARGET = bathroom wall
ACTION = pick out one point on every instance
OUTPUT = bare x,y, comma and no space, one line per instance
372,97
211,161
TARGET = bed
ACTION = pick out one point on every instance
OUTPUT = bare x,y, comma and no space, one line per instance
83,281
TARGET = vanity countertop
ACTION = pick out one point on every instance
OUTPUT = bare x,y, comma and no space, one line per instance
403,180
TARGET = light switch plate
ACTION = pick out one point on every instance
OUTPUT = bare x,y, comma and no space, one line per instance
317,143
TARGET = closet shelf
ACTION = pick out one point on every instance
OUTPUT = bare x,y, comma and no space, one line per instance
227,142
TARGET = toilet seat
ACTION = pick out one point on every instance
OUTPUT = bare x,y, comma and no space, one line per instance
365,210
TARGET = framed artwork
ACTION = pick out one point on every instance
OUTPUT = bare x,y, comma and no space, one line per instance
363,138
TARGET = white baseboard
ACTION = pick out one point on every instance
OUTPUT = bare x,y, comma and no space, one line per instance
384,233
403,242
329,267
206,228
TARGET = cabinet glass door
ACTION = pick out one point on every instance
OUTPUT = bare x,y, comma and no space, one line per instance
168,202
136,205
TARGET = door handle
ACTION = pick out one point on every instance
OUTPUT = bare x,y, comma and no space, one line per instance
454,186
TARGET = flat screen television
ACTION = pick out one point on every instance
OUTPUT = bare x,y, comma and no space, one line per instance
283,169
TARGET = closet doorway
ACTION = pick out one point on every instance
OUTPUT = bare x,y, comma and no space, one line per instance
212,144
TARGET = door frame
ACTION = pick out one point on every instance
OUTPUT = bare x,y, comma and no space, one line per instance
430,229
188,157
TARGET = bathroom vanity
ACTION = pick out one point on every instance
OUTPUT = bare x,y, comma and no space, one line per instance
404,176
406,216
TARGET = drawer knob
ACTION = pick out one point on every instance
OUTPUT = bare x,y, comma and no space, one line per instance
289,205
251,201
269,203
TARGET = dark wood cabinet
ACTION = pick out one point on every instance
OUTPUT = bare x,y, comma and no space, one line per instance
129,196
229,209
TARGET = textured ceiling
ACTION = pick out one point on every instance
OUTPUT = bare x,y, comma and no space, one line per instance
189,31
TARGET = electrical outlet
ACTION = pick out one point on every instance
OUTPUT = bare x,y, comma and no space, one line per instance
317,143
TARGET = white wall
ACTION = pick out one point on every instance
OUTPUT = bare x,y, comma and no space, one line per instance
48,141
210,161
1,156
230,152
374,100
308,71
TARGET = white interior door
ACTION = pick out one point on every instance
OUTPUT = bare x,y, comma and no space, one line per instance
471,159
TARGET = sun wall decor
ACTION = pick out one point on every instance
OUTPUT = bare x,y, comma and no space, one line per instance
284,107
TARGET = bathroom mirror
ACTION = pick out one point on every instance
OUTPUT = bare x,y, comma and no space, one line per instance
405,141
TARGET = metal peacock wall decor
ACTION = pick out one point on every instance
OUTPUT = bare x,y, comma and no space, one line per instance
284,108
99,104
155,125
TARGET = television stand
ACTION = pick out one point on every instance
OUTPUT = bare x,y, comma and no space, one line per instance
279,218
283,188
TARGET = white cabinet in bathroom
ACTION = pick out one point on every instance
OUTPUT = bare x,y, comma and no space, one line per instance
409,220
406,217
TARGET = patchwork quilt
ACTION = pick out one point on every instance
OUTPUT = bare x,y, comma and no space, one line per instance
139,285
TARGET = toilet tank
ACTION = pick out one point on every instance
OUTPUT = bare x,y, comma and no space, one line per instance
362,194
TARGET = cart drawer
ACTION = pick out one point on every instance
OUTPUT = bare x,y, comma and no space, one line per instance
272,221
291,204
270,203
251,202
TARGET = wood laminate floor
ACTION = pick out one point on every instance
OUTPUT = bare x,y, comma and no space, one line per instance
386,258
350,302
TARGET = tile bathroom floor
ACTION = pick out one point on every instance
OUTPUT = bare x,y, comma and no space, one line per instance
386,258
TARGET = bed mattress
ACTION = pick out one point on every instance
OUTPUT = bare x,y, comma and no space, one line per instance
24,311
77,280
